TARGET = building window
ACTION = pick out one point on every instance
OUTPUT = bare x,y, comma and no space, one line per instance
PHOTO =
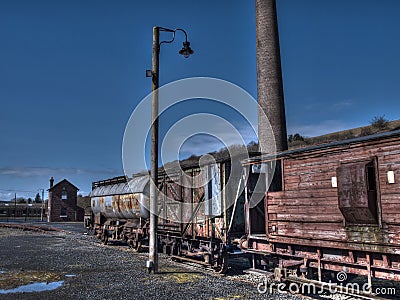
63,213
270,173
275,176
64,195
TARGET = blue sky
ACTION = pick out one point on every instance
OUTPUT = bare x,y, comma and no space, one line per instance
72,72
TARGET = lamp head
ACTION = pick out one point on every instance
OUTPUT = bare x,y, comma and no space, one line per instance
186,51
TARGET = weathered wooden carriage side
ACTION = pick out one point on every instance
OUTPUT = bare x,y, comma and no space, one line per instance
336,209
169,204
196,212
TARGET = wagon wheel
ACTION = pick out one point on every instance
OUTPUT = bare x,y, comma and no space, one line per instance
136,246
222,264
243,242
104,238
176,251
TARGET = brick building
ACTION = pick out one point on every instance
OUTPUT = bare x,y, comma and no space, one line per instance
62,204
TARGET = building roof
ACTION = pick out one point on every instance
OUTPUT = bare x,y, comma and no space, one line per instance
63,181
359,140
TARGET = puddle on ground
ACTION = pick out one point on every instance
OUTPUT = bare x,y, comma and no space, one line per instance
34,287
14,279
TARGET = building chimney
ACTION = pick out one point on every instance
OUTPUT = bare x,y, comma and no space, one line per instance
51,182
269,79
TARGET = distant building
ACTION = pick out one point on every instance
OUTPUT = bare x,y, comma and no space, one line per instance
11,210
62,203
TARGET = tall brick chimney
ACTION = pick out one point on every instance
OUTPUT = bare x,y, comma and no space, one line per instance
269,78
51,182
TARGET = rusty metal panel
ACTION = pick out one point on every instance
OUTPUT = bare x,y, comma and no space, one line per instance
124,200
129,206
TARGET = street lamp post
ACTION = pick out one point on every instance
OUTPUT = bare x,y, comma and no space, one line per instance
186,51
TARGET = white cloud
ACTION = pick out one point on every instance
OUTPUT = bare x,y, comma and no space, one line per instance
344,104
203,133
200,144
44,171
321,128
6,195
320,105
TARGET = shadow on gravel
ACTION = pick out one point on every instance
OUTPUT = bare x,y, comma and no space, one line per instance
237,266
178,272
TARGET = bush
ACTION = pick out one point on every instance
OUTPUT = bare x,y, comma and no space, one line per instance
365,131
295,137
380,122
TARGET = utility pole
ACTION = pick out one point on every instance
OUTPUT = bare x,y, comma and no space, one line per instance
15,206
153,251
186,51
42,208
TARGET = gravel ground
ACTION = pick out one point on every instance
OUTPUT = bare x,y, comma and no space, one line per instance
90,270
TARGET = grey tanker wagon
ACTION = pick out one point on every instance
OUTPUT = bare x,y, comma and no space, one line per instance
121,207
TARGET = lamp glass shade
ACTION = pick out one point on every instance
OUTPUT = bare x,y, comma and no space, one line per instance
186,51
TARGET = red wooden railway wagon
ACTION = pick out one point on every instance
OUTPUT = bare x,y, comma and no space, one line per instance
330,207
